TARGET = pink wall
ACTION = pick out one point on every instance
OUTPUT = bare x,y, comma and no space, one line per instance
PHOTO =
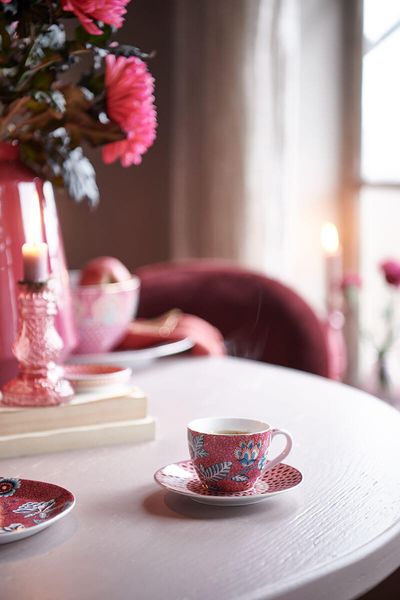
131,221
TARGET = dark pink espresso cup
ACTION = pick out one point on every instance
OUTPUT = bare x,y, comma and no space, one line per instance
230,454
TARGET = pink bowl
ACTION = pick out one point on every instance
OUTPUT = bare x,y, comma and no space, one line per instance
102,313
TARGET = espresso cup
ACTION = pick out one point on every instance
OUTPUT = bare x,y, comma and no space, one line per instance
230,454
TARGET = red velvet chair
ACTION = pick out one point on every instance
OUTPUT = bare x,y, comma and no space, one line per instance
259,318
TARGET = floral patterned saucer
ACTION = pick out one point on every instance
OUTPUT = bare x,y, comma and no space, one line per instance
181,478
27,507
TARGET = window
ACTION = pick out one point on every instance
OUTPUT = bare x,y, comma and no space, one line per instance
379,199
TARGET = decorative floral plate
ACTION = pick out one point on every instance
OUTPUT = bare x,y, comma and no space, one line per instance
92,377
27,507
181,478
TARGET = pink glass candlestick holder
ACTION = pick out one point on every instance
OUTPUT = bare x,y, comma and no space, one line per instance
22,192
37,347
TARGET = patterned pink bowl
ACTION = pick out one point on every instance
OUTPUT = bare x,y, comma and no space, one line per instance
102,313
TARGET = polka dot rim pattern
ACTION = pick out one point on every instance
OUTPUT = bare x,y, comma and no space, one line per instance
182,478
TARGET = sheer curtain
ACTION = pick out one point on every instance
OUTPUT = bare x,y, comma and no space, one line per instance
235,91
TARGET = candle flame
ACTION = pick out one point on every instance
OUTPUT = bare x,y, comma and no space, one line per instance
31,213
330,238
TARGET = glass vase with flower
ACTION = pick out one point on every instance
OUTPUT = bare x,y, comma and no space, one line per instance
47,121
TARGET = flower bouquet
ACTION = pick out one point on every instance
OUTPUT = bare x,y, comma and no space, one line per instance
52,106
384,378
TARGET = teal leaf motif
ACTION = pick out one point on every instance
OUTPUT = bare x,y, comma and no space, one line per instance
196,446
262,462
12,527
240,477
216,472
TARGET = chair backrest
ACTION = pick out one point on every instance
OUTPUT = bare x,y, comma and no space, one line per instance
259,317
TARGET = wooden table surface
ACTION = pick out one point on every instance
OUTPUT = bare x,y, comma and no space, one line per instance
333,537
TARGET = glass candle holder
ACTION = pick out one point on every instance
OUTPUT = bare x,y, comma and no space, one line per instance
37,347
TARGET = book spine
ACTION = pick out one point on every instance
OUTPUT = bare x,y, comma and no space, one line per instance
75,438
73,415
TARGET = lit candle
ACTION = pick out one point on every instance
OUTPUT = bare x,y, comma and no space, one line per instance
333,266
34,259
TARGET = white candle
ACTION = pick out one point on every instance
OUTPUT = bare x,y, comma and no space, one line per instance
333,266
34,259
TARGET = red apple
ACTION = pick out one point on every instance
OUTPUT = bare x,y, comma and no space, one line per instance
104,269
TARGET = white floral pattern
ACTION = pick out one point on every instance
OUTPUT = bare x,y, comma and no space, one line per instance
39,510
196,446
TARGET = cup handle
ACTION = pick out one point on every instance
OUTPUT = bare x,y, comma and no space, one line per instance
285,451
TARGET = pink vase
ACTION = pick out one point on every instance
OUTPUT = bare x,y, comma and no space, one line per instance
24,196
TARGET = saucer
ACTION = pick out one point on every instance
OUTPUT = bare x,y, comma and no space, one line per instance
91,377
134,358
181,478
27,507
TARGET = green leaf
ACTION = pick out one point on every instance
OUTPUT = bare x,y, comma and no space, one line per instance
81,35
96,134
43,80
127,51
94,83
52,98
5,36
28,152
49,60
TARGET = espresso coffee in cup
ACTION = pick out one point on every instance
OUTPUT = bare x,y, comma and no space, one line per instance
228,432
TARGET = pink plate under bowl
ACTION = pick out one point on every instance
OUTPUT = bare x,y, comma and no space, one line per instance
27,507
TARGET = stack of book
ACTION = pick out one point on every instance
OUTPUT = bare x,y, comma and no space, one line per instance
113,415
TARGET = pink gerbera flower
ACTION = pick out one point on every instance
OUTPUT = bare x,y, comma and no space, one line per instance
130,103
88,11
391,272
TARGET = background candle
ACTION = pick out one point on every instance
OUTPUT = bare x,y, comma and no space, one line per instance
34,258
333,266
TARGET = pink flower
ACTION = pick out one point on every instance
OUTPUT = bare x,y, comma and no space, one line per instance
5,1
88,11
130,103
351,280
391,271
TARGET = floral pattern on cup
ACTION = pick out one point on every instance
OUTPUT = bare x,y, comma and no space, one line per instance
262,462
196,446
215,472
247,452
247,455
224,464
227,458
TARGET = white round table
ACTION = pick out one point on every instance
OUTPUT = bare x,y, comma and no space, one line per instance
335,536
